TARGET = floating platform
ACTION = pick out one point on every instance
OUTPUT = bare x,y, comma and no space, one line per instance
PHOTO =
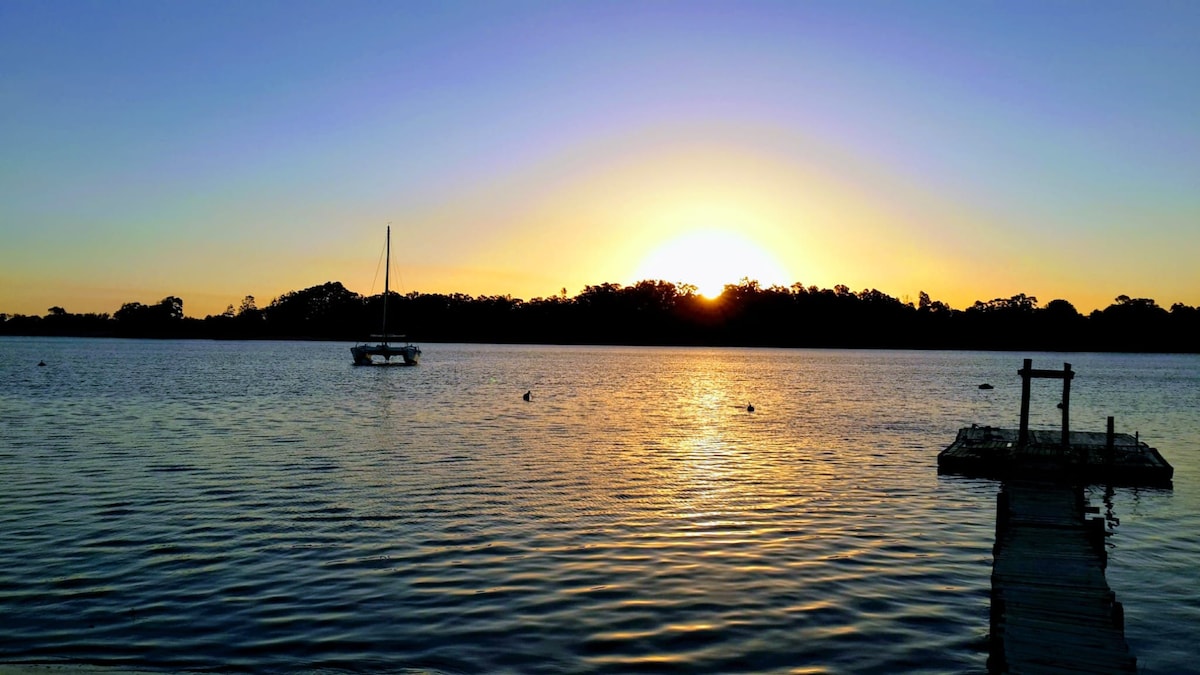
1052,610
990,452
1072,456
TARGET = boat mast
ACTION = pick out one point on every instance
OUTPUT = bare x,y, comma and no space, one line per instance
386,269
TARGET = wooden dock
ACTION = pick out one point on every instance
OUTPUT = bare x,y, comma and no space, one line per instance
1089,457
1071,456
1052,610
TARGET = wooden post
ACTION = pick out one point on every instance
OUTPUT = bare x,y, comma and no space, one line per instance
1066,406
1110,441
1094,530
1001,517
1025,373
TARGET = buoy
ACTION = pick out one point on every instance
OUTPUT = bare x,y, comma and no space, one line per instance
41,363
985,385
750,408
528,395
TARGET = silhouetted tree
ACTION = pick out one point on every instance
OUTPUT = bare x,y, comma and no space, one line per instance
1184,328
326,311
1062,309
1132,324
660,312
164,319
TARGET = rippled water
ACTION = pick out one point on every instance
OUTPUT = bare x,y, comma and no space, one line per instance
266,507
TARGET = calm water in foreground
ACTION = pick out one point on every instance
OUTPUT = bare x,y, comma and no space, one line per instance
266,507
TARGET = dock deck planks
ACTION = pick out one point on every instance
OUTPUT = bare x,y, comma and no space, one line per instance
993,452
1052,609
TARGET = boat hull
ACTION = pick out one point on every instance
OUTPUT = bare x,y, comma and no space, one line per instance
383,355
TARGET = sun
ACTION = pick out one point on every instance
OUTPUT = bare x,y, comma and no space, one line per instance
710,259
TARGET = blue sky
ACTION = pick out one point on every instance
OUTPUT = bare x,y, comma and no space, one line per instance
212,150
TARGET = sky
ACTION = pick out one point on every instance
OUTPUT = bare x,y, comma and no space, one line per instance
212,150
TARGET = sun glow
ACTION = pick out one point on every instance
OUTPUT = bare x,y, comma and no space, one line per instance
710,259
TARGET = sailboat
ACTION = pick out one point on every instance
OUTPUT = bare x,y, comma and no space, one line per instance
370,354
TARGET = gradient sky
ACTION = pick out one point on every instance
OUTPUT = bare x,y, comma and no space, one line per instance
973,150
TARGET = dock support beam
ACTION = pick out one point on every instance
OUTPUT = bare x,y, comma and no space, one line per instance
1023,435
1027,373
1066,406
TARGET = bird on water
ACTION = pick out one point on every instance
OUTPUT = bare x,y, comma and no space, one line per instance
750,408
528,395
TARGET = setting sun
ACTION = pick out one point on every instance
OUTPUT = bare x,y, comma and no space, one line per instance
710,259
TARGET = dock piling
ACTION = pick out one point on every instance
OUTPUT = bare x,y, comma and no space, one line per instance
1110,442
1023,438
1066,406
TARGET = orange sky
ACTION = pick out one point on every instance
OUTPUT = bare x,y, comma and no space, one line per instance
968,153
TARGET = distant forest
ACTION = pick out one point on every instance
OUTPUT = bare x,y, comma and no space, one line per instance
657,313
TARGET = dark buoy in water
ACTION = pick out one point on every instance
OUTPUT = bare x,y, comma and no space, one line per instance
528,395
750,408
41,363
985,385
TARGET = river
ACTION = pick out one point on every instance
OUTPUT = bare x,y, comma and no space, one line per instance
267,507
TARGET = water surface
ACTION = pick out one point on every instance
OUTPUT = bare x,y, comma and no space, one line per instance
266,507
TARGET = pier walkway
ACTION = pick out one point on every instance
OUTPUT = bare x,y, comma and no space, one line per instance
1052,610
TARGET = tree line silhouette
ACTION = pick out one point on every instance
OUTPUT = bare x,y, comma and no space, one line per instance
658,313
